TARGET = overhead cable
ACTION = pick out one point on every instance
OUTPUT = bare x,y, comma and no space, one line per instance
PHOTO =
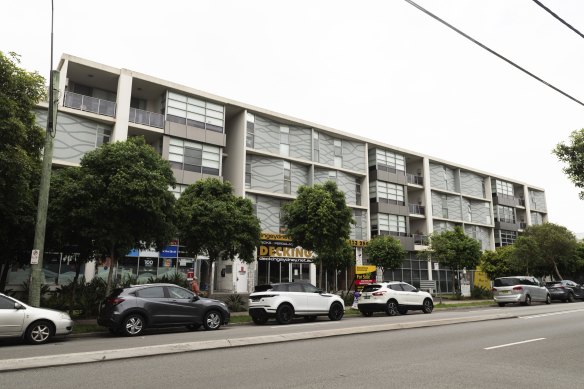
559,18
493,52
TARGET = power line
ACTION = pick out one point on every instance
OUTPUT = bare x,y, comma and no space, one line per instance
559,18
493,52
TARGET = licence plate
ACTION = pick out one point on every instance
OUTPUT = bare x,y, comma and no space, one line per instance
366,297
504,292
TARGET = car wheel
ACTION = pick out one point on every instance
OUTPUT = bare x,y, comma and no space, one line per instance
336,312
39,332
428,306
391,308
309,318
501,304
548,299
259,319
367,313
527,300
133,325
284,314
212,320
402,310
193,327
570,298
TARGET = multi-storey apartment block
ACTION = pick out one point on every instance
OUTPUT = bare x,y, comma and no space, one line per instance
267,156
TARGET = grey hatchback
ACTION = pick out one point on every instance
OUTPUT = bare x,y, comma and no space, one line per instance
128,311
520,289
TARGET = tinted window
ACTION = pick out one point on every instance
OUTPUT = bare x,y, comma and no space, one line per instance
156,292
506,281
6,303
309,288
179,293
295,288
371,288
526,281
396,287
280,288
407,287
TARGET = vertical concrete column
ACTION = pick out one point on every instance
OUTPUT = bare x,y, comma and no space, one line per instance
124,95
428,207
365,195
489,197
89,272
63,81
527,205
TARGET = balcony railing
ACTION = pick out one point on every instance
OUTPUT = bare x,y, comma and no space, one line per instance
414,179
420,239
417,209
147,118
90,104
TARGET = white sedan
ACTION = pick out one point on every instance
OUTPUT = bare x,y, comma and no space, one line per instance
35,325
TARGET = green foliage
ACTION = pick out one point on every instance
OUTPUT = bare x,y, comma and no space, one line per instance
128,280
320,220
175,278
545,249
79,298
385,252
500,262
45,292
235,303
21,143
118,198
348,298
572,154
480,293
212,220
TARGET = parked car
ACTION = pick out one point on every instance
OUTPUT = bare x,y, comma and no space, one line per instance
129,311
35,325
565,290
284,301
520,289
393,298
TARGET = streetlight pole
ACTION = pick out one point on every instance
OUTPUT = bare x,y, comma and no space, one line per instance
34,292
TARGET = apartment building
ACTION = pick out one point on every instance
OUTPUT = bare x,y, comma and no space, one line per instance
267,156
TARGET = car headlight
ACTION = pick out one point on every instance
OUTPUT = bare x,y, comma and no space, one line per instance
64,316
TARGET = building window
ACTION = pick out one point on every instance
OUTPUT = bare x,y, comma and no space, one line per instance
315,147
358,191
285,141
247,171
357,215
444,199
104,135
504,188
505,214
250,136
385,224
194,157
388,161
386,192
287,178
194,112
177,190
468,212
338,153
332,175
507,238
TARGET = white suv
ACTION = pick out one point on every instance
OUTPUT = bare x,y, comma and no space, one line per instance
392,298
286,300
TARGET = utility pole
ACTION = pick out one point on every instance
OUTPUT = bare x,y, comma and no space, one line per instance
36,259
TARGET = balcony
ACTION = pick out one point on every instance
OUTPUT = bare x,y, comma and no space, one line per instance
417,209
414,179
146,118
420,240
90,104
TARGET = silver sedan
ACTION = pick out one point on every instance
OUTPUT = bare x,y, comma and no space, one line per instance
35,325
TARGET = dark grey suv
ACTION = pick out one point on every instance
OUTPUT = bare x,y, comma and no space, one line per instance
128,311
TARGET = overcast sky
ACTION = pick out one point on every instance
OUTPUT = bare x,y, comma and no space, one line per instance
380,69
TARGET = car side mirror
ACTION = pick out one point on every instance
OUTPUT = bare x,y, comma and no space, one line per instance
195,298
415,290
319,291
18,306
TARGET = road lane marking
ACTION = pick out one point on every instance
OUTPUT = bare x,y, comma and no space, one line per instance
514,343
550,314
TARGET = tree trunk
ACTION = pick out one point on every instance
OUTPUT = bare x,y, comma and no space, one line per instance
557,271
4,276
320,276
110,274
212,277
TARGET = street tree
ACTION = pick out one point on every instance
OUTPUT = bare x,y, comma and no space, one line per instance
572,154
455,250
549,245
385,252
499,262
211,220
319,220
21,143
119,199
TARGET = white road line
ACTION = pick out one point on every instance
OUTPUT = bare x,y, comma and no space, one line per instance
513,344
550,314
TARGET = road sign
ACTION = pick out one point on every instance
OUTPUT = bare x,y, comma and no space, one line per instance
34,257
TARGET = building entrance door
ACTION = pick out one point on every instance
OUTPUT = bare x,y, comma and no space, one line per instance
300,272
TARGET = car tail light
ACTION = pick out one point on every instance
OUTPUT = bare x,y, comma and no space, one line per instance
378,293
114,301
561,287
494,290
517,288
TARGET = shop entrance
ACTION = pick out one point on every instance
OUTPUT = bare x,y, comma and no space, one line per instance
274,272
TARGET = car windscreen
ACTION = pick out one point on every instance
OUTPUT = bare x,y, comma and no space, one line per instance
263,288
371,288
507,281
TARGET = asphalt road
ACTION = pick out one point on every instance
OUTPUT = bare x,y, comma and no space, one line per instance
542,347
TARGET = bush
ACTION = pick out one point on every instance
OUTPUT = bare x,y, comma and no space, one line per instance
478,292
348,298
175,278
79,298
235,303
